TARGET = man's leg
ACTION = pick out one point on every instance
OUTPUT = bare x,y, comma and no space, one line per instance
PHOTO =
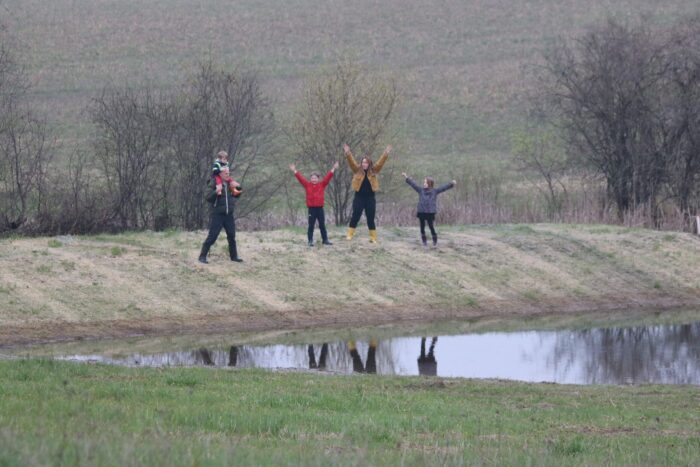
230,227
215,224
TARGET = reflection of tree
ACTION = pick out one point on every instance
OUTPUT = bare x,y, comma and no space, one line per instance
427,365
663,354
371,363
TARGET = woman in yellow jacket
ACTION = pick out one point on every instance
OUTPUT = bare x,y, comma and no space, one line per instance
365,183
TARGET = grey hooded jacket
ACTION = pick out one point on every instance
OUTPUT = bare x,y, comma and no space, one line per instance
427,197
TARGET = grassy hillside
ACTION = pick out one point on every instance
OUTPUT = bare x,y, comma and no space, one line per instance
151,283
458,62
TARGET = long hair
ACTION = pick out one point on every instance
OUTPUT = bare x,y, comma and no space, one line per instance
430,182
371,164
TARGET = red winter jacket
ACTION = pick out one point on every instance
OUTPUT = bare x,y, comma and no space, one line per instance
314,192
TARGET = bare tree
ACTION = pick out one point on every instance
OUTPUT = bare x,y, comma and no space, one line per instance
222,110
346,106
128,146
540,155
602,92
25,146
683,114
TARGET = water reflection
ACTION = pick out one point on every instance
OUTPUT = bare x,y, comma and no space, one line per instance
668,354
427,365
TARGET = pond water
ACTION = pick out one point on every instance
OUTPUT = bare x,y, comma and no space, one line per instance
665,354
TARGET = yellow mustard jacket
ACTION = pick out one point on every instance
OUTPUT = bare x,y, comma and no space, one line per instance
359,174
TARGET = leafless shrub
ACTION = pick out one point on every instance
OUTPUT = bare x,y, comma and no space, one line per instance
351,106
25,147
626,99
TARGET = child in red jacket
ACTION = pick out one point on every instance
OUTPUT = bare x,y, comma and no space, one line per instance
315,190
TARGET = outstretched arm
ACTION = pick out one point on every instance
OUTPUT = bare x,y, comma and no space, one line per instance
445,187
298,175
410,181
327,179
382,160
351,160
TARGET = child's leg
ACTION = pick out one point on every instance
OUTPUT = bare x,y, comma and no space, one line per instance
423,238
432,231
312,223
322,225
219,184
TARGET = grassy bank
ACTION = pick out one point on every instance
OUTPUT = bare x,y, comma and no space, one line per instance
151,283
66,414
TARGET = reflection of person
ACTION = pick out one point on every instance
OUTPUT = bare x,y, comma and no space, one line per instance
233,356
427,204
321,365
427,365
222,217
205,356
364,183
371,364
315,190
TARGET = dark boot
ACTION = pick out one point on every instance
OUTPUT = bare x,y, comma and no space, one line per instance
424,239
434,239
203,255
233,252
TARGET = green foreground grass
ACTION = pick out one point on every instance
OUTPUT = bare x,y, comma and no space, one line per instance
67,414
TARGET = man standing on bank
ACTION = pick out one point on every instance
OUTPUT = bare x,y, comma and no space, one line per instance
222,216
365,184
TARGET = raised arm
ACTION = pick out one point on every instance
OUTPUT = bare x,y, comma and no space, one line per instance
445,187
382,160
298,175
351,160
327,179
410,181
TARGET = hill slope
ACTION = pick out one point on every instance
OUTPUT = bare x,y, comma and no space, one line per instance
458,62
151,282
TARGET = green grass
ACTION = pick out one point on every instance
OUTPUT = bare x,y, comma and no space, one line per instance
53,243
68,414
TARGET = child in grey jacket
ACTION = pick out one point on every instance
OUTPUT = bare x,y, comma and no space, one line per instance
427,204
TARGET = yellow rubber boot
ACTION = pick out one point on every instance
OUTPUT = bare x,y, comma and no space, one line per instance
373,236
351,233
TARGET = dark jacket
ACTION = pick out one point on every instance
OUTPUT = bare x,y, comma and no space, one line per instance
223,203
427,197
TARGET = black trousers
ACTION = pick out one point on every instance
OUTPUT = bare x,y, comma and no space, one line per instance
317,214
429,218
216,223
367,204
430,225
